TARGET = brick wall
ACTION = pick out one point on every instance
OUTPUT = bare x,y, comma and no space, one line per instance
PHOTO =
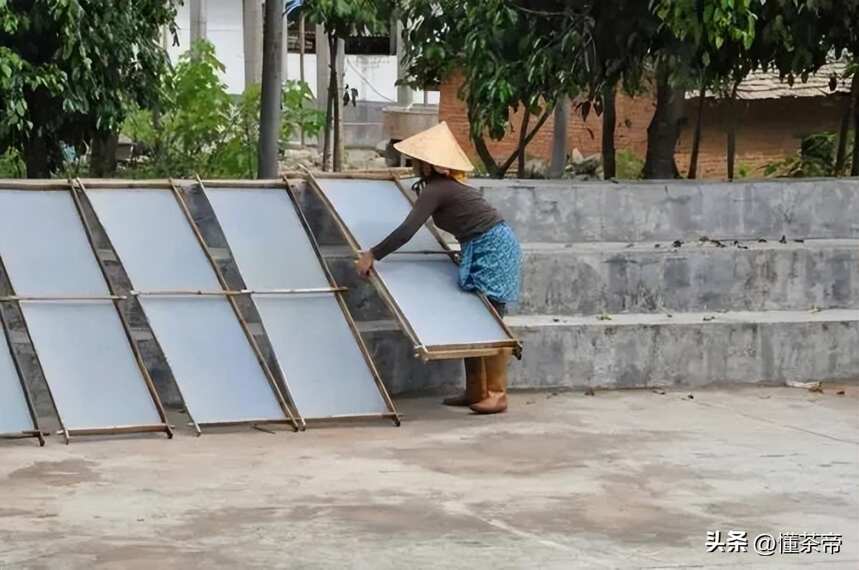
769,130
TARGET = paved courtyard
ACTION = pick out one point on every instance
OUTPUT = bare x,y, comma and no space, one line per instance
629,479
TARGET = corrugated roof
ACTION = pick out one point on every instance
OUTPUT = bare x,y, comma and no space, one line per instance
767,85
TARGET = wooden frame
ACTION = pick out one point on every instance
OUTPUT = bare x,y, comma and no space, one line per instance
112,297
37,430
183,205
126,327
334,288
425,353
169,186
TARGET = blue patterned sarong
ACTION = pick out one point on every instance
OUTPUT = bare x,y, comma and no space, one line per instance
491,263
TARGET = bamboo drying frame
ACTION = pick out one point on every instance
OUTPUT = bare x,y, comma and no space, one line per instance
170,186
126,327
279,396
424,352
67,432
334,288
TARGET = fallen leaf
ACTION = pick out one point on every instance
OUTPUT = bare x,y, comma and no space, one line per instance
803,385
604,317
677,243
840,393
660,392
657,245
762,240
708,319
817,389
690,397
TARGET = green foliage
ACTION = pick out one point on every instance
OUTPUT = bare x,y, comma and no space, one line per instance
202,130
629,165
509,61
11,165
346,18
72,69
816,158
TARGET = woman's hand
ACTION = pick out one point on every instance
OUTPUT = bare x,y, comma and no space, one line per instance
365,264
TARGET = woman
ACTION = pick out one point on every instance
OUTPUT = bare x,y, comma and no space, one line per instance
490,256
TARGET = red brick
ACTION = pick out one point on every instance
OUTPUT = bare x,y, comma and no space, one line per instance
769,130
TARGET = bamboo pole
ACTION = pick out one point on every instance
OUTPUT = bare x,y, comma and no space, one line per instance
19,298
239,293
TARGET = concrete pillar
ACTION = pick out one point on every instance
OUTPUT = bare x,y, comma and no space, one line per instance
285,48
405,95
252,40
199,16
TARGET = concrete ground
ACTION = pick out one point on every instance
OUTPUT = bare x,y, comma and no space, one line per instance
630,479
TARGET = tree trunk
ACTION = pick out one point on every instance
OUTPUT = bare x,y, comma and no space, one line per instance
332,93
664,129
40,159
269,132
854,93
102,162
732,130
486,157
520,150
609,121
337,151
696,136
523,132
301,40
843,135
559,138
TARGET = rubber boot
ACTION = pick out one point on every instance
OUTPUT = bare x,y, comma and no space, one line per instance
496,384
475,384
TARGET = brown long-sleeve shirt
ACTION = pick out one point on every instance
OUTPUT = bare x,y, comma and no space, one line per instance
454,207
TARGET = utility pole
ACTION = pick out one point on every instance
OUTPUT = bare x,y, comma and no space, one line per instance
252,40
269,130
198,20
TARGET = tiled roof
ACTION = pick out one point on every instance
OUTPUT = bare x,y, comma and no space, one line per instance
767,85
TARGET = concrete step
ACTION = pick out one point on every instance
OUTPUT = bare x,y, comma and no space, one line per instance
591,278
642,350
559,211
567,212
694,349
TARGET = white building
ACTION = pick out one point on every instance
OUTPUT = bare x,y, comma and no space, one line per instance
374,76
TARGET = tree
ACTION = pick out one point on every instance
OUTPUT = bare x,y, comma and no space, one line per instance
508,60
342,19
70,72
720,38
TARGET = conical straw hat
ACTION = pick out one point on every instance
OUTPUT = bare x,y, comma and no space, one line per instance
436,146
